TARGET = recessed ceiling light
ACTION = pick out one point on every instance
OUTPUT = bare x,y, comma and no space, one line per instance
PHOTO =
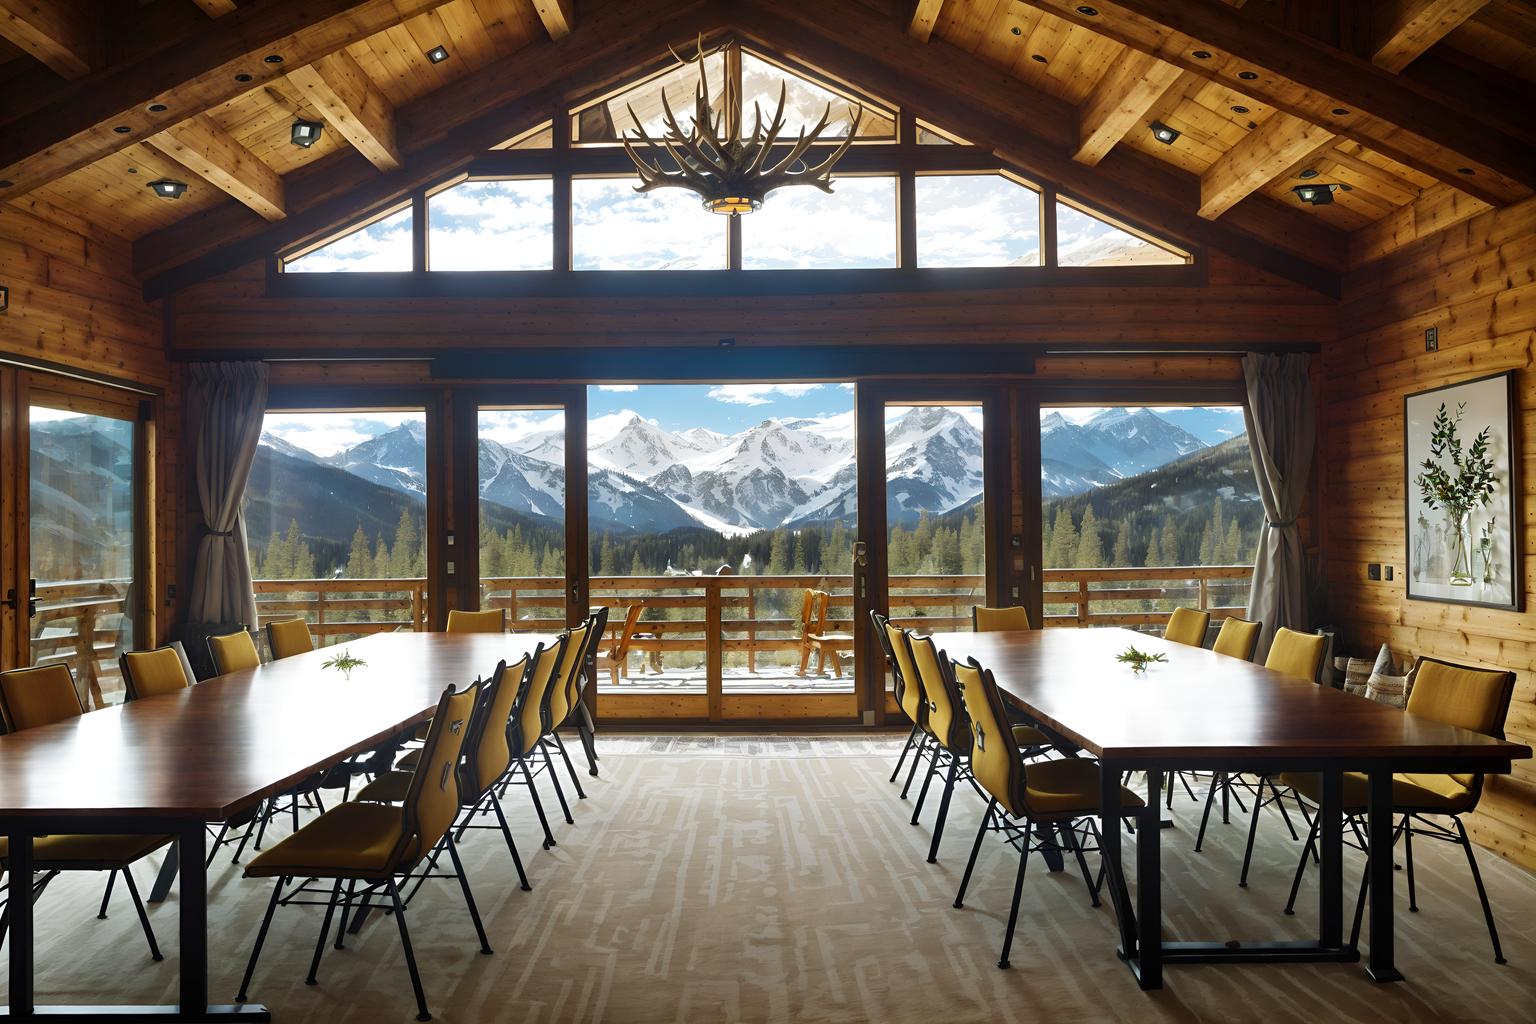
156,108
133,170
1239,109
1247,76
305,133
122,129
273,58
1201,55
1088,12
437,54
1318,194
1162,133
242,77
1038,57
1310,172
166,188
1017,31
1339,111
1465,170
6,183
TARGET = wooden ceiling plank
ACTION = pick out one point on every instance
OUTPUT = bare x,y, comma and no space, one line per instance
353,105
63,34
1120,100
925,14
1263,155
558,16
212,154
191,77
1309,79
1416,25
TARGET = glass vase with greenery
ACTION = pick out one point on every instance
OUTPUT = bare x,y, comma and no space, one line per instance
1466,483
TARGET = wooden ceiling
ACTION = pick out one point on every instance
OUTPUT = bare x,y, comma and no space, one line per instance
1418,106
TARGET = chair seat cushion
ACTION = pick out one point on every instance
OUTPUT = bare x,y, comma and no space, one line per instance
351,840
389,788
1441,793
86,852
1067,787
1029,736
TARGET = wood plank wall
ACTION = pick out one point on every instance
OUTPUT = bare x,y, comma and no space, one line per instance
75,303
1476,282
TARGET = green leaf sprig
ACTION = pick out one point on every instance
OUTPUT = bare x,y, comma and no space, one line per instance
344,662
1470,478
1139,660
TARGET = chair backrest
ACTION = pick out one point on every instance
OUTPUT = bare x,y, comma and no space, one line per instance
1187,626
558,699
996,761
1472,698
289,637
31,697
1237,638
597,625
909,688
486,752
149,673
946,715
233,652
813,613
492,620
531,706
626,632
999,620
432,801
1297,654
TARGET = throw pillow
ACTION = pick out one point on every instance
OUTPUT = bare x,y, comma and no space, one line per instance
1389,690
1357,674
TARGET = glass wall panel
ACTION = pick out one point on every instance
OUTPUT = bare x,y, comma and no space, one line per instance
492,225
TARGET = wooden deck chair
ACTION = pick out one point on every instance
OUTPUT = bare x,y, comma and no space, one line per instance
615,659
814,635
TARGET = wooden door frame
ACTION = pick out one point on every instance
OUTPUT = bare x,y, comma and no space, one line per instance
872,398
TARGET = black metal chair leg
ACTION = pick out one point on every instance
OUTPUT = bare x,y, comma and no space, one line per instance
970,865
325,932
261,937
576,779
106,895
1301,867
469,897
213,850
1253,828
904,748
1280,803
538,805
917,757
1413,898
506,832
1365,887
1018,891
138,906
1482,894
549,763
586,729
346,910
410,955
938,825
922,794
169,868
1082,862
1210,799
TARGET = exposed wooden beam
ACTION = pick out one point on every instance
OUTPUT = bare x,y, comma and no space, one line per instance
1258,159
1413,26
351,104
558,16
925,14
1120,100
1309,79
209,152
217,8
63,34
77,127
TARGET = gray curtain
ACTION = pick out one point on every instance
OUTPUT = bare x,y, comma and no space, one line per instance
226,404
1282,433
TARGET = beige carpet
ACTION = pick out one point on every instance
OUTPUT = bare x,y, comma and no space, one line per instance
711,879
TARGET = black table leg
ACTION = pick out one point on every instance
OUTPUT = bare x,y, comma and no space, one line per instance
1109,852
167,875
1149,886
1379,868
194,919
1330,837
19,867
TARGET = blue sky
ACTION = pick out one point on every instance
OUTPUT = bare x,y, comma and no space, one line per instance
726,408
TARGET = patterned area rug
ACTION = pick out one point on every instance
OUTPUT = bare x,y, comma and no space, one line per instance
777,879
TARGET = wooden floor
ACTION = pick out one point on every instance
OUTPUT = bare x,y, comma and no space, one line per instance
756,878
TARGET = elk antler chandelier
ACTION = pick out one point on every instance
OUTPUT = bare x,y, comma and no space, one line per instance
729,171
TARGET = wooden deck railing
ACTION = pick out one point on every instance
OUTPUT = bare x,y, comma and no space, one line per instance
80,624
1143,596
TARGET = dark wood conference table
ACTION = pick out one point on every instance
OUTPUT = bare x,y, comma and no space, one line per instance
169,764
1206,711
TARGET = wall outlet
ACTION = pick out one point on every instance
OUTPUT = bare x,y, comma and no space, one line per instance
1431,339
1373,571
1386,572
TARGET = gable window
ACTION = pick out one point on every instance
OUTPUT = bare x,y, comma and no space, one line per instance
976,220
492,225
1084,239
804,102
380,245
806,229
613,227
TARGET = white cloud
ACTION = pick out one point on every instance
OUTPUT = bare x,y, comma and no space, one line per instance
327,433
758,394
618,387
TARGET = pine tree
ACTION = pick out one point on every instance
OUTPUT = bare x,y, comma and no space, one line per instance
406,554
780,555
302,566
1090,547
1122,555
1171,553
1062,552
359,560
1154,554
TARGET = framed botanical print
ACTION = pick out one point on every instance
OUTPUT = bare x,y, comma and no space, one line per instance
1462,493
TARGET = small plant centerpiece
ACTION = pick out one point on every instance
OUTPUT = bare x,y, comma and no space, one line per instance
1466,483
1139,660
344,662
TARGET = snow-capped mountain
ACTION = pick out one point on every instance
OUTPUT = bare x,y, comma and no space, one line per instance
1111,445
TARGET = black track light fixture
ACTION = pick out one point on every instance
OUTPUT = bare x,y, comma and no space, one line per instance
167,188
305,133
1162,133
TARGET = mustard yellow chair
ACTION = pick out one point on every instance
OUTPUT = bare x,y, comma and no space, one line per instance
233,652
376,844
563,703
1473,699
288,638
1187,626
999,620
152,673
486,758
577,712
950,730
909,692
1062,793
530,710
1237,638
31,698
492,620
